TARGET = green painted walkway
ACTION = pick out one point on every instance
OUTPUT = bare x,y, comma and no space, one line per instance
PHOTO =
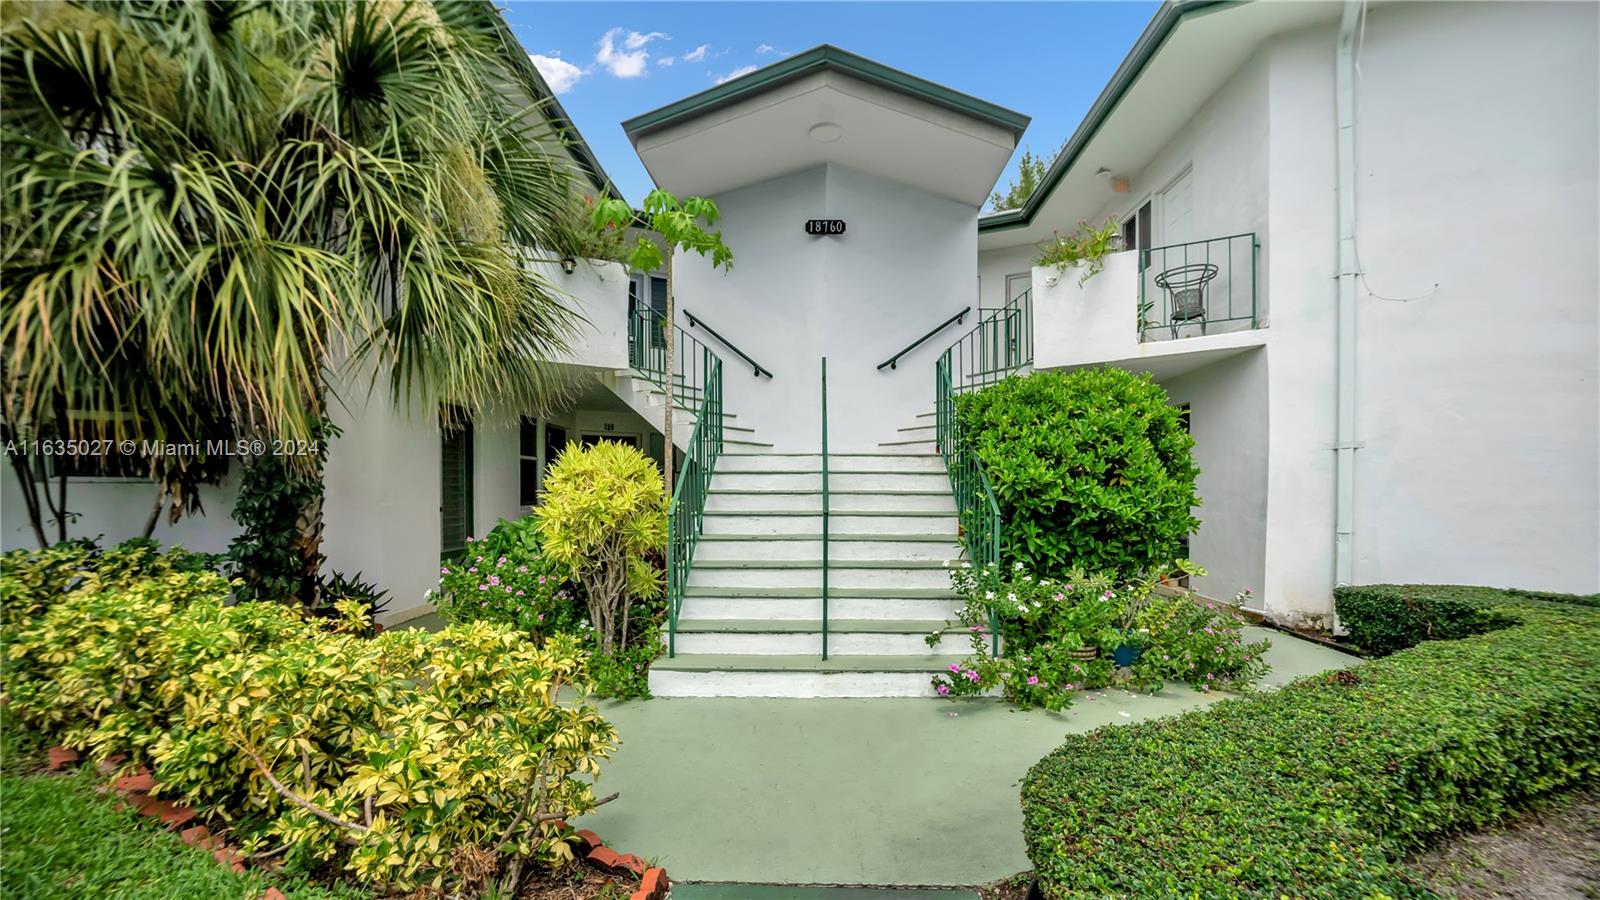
854,792
792,892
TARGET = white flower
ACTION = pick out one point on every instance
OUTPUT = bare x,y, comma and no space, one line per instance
1017,567
989,595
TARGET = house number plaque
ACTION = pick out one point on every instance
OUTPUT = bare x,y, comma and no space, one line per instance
824,226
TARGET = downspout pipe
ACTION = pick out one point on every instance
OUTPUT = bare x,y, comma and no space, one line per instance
1345,192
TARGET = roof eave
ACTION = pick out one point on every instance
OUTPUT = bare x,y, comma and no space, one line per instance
1144,49
820,58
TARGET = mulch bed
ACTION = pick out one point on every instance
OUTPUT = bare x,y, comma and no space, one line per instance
1552,852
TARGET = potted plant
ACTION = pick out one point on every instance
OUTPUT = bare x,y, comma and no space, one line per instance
1085,248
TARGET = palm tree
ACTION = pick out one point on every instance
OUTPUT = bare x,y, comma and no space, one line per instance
215,210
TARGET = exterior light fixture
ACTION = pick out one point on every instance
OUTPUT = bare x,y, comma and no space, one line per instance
826,132
569,265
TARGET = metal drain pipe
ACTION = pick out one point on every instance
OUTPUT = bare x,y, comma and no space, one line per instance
1346,444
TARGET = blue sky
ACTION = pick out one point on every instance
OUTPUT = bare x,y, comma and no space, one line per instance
611,61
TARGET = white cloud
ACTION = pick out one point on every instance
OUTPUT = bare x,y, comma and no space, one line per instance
742,70
558,73
628,60
635,40
665,61
767,48
698,54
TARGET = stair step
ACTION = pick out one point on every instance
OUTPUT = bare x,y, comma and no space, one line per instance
837,513
913,442
815,593
732,675
808,564
791,626
817,491
833,537
803,608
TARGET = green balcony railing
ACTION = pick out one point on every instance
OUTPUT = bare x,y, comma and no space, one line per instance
1198,288
977,511
1001,344
687,512
647,355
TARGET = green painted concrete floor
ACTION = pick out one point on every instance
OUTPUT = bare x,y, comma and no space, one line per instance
853,792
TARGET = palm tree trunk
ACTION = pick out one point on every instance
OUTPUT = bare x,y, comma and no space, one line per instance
670,387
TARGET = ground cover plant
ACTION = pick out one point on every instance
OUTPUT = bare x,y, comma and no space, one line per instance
395,759
1091,468
1059,636
1320,789
586,562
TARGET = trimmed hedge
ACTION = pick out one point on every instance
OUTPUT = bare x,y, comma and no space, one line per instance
1385,618
1318,789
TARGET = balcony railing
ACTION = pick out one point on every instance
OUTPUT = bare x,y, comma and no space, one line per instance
1202,287
1000,344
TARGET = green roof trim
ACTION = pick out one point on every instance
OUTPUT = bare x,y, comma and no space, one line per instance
1144,49
825,57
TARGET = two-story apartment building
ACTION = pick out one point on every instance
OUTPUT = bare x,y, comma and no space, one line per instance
1361,250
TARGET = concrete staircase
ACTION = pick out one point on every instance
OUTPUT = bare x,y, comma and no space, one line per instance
751,624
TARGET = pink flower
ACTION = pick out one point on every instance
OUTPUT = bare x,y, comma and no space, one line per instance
972,675
944,690
955,667
444,570
494,579
1033,679
483,587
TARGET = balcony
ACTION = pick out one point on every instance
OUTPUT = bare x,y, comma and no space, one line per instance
1179,300
1198,288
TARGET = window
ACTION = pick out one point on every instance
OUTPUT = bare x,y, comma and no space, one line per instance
455,488
1136,229
555,440
528,461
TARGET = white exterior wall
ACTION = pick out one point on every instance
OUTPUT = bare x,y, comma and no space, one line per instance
118,508
1227,404
993,267
1477,404
906,262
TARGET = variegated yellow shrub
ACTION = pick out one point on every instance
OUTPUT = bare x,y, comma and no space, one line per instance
397,758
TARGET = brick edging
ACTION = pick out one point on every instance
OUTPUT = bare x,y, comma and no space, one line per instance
134,792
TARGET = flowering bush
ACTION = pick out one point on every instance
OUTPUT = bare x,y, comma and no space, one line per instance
1058,636
1198,643
504,578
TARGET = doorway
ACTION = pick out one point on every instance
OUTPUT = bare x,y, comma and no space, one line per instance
455,489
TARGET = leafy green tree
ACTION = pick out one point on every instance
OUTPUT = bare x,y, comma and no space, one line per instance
669,226
1030,174
216,212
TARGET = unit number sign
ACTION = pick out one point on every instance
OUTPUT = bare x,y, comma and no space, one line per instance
824,226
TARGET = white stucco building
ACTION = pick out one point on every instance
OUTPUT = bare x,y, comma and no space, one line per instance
1389,342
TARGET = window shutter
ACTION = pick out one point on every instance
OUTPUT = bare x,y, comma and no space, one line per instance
455,489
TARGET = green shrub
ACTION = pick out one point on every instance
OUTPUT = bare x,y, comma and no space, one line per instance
1384,618
1048,626
1318,789
386,756
604,517
1091,468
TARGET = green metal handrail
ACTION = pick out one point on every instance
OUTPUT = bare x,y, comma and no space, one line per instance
647,355
686,514
1199,284
977,510
1000,345
893,361
825,505
697,321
